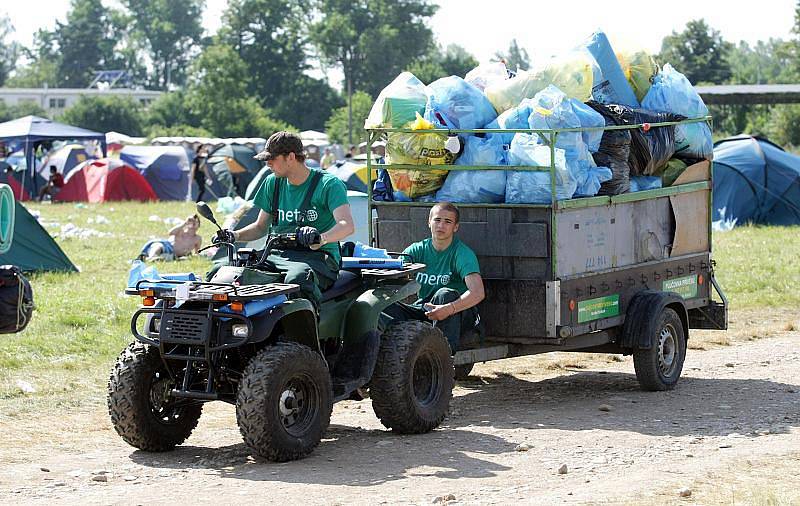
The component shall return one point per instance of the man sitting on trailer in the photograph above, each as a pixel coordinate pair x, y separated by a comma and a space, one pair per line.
450, 286
309, 201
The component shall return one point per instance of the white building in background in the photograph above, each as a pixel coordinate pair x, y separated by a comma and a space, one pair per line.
56, 100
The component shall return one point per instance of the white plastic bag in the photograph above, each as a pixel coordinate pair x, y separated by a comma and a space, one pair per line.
487, 74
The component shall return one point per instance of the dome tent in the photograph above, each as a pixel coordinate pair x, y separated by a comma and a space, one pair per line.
105, 180
755, 181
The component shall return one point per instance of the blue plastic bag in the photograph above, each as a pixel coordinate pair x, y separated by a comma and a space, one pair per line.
552, 109
139, 271
516, 117
534, 187
479, 186
642, 183
672, 92
610, 84
459, 104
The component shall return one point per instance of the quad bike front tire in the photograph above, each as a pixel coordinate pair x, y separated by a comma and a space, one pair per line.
284, 402
142, 411
413, 380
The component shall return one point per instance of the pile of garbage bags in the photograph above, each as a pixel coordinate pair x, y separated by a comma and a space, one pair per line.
590, 87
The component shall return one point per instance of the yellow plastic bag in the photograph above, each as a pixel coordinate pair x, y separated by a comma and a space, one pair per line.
418, 149
572, 73
640, 68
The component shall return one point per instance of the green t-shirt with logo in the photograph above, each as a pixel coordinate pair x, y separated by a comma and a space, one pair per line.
329, 194
446, 268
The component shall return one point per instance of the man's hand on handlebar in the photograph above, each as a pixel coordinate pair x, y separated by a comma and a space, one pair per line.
309, 237
224, 236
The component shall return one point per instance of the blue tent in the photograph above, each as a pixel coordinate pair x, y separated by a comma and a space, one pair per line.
755, 181
166, 168
32, 130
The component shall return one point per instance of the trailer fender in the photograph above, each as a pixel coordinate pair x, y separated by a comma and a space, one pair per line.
642, 314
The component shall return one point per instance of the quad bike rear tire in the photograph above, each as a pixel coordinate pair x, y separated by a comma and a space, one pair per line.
142, 411
413, 380
284, 402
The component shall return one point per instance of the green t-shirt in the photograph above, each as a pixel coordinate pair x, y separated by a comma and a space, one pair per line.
446, 268
329, 194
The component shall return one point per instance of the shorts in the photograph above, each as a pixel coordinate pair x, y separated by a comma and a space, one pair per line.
167, 254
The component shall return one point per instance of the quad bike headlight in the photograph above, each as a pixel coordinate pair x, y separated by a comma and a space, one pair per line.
240, 330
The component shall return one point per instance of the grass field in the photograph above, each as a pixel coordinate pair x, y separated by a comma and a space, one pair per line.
82, 320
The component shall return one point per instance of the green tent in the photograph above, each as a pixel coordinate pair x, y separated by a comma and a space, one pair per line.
32, 248
230, 168
255, 184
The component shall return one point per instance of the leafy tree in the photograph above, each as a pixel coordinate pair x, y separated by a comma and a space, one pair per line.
764, 63
217, 96
453, 61
336, 126
308, 103
9, 112
515, 57
177, 131
170, 110
85, 43
9, 50
372, 40
170, 30
104, 114
44, 61
699, 52
268, 36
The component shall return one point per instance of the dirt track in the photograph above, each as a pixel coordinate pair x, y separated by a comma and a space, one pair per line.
736, 410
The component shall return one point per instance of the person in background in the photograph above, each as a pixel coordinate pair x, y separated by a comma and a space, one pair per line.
327, 159
183, 240
450, 286
199, 171
54, 184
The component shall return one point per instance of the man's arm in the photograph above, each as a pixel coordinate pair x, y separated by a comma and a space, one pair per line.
255, 230
472, 297
344, 225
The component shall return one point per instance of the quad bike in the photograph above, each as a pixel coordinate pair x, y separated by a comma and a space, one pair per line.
247, 339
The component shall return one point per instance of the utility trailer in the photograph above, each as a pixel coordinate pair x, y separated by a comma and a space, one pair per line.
628, 274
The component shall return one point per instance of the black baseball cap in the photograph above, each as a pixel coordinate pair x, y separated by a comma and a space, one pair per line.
281, 143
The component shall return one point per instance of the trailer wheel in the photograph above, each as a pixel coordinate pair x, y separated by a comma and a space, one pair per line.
413, 380
659, 368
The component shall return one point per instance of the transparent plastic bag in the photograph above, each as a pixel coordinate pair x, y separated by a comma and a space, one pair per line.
516, 117
417, 149
640, 68
487, 74
573, 73
534, 187
672, 92
642, 183
398, 103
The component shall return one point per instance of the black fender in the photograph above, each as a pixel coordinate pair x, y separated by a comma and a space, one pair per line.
640, 319
295, 320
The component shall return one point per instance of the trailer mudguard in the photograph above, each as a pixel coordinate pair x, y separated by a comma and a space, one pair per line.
640, 319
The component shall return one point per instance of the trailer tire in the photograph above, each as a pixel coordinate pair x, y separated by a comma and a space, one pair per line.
413, 380
659, 367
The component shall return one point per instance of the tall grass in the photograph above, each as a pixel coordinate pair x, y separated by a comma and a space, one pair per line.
82, 320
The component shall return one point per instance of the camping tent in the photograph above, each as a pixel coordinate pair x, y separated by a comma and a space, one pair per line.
32, 130
32, 248
166, 168
11, 179
64, 158
353, 173
255, 184
231, 168
755, 181
105, 180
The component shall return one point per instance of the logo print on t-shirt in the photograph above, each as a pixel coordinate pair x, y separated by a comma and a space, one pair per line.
312, 215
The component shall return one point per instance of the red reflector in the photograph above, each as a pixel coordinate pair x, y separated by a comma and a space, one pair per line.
220, 297
147, 293
700, 279
646, 127
572, 305
149, 301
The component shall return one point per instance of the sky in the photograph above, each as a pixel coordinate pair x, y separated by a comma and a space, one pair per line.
542, 28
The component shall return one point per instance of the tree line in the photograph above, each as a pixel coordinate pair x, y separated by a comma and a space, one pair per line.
255, 74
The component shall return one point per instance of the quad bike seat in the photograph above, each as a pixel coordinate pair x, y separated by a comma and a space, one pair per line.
346, 282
